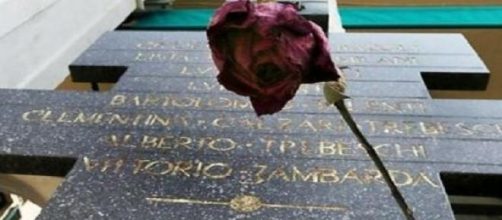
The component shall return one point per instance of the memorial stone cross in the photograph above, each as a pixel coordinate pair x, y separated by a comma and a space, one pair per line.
169, 143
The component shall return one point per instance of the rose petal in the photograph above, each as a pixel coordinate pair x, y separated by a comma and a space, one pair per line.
233, 14
232, 78
268, 105
322, 68
265, 51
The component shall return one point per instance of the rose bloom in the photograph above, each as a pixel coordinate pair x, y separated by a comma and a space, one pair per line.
266, 50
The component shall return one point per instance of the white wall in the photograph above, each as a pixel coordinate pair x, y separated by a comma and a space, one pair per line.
40, 38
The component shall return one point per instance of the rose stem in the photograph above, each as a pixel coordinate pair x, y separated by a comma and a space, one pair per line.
340, 105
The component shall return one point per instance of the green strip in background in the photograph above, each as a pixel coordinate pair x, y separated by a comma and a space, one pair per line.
422, 17
176, 19
352, 17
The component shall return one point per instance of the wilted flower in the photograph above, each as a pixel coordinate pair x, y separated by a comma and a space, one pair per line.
266, 50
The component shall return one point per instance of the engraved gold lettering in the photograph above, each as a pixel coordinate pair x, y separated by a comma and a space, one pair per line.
284, 123
137, 119
156, 119
334, 148
187, 102
269, 143
328, 175
307, 149
241, 104
140, 57
417, 151
350, 60
221, 122
185, 142
395, 107
115, 165
157, 56
90, 164
464, 129
259, 175
152, 142
183, 167
27, 116
391, 127
217, 171
297, 175
118, 100
279, 173
222, 144
46, 117
253, 123
63, 118
116, 141
308, 126
432, 128
139, 165
183, 121
395, 60
221, 102
207, 69
84, 119
210, 86
118, 118
411, 127
184, 71
285, 145
326, 125
155, 168
166, 142
199, 70
376, 48
327, 148
498, 128
422, 177
351, 175
150, 101
401, 178
198, 169
372, 175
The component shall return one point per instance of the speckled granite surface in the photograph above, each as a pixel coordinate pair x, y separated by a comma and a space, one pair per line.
168, 143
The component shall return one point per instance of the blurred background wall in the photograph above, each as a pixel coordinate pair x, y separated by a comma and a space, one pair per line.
39, 38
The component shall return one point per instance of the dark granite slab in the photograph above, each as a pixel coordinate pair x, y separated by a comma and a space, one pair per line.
230, 102
74, 139
210, 85
421, 62
441, 64
209, 71
168, 143
377, 43
232, 122
205, 195
354, 177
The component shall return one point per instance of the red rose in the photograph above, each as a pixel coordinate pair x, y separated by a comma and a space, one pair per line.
265, 51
